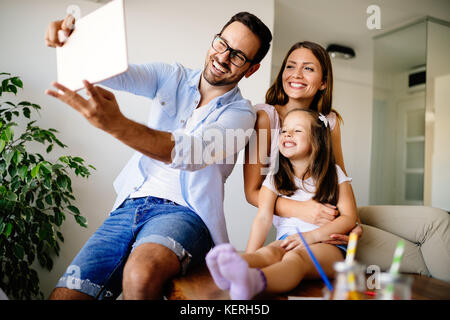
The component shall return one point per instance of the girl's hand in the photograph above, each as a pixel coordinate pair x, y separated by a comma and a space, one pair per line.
343, 238
318, 213
293, 241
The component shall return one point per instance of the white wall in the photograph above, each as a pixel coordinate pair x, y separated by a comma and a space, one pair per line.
156, 31
352, 97
441, 155
437, 160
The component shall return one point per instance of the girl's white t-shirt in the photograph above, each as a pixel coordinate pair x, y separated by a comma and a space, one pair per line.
289, 225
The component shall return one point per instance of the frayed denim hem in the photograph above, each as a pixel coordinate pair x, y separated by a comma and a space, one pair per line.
84, 286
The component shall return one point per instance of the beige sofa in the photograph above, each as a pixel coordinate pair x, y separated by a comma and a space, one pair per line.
425, 229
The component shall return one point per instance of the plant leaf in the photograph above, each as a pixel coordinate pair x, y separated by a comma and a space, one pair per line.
8, 156
81, 221
35, 171
40, 204
18, 157
5, 84
48, 182
23, 170
58, 218
11, 196
19, 251
8, 230
60, 236
49, 199
12, 88
26, 112
62, 182
17, 82
8, 133
74, 209
78, 159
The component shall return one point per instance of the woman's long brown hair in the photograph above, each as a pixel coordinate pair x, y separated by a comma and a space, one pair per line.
323, 99
321, 168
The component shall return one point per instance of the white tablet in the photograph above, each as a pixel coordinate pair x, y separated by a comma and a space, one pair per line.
96, 49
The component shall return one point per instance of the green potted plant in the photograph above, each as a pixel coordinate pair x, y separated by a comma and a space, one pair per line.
35, 196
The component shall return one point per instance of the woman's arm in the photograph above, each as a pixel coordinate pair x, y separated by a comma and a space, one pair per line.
253, 166
338, 238
263, 220
310, 211
337, 146
341, 225
346, 220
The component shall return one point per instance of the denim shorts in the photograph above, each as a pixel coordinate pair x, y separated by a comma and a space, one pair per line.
97, 269
342, 248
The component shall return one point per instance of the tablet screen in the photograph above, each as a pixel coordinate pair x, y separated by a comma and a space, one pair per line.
96, 50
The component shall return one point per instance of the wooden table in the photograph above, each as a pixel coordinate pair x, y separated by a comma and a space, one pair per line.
198, 285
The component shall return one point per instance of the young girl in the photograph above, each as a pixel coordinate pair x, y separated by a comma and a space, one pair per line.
307, 170
305, 80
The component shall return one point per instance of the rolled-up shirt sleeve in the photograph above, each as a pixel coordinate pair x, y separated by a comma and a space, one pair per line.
214, 143
143, 79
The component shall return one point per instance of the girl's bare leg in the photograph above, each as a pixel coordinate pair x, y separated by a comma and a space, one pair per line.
265, 256
296, 265
282, 276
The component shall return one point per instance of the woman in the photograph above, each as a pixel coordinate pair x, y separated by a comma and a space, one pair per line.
305, 80
307, 171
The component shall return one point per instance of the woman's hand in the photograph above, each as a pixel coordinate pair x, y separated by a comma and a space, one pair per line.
317, 213
343, 238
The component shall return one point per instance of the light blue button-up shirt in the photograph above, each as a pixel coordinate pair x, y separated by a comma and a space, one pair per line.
175, 95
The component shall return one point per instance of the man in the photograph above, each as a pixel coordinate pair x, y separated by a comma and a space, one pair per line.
169, 209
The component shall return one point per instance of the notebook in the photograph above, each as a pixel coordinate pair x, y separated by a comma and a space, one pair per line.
96, 50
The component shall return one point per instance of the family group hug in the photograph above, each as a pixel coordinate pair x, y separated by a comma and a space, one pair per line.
169, 214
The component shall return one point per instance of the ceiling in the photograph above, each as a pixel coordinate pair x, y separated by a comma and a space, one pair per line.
402, 50
345, 22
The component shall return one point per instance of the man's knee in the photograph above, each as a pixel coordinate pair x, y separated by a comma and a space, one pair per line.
150, 265
68, 294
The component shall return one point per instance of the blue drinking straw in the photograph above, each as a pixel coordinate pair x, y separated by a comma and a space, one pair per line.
316, 263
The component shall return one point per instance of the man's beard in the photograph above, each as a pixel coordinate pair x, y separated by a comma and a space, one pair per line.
222, 82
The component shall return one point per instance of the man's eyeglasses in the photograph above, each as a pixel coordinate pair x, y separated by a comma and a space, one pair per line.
236, 57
